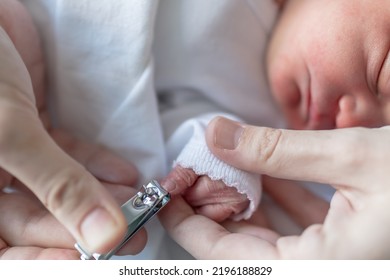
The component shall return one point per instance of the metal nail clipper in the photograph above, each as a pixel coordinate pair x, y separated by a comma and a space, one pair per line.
138, 210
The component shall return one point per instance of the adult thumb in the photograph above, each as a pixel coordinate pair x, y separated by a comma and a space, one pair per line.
240, 145
328, 156
65, 187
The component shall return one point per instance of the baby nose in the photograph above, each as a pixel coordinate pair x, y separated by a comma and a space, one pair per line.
358, 111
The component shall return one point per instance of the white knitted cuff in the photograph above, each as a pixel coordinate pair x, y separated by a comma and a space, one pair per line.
198, 157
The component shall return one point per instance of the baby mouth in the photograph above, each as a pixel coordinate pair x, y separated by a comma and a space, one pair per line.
318, 117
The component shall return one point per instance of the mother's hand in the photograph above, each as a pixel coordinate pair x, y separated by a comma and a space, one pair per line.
29, 154
29, 231
353, 160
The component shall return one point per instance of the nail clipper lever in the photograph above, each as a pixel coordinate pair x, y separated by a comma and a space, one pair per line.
138, 211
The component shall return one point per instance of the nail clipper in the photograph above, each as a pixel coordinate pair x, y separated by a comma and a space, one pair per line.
138, 210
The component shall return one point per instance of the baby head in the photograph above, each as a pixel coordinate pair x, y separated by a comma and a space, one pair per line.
329, 65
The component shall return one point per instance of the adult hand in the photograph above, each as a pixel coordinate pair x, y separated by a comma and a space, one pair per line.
29, 154
353, 160
29, 231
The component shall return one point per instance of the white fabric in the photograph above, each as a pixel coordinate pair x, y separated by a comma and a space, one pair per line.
215, 49
101, 82
106, 60
101, 68
210, 59
196, 156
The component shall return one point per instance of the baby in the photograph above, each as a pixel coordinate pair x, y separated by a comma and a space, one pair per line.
91, 80
205, 64
326, 70
208, 65
147, 90
328, 63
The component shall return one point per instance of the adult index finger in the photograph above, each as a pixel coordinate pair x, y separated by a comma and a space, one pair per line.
205, 239
64, 186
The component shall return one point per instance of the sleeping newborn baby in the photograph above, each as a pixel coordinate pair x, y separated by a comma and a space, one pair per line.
205, 72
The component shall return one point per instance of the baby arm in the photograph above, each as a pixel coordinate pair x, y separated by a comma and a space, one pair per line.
210, 186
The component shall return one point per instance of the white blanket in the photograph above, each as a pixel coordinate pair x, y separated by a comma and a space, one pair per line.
101, 81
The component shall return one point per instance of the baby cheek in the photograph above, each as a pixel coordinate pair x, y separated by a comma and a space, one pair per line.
284, 88
286, 93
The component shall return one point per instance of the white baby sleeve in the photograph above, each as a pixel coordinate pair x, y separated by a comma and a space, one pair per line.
189, 145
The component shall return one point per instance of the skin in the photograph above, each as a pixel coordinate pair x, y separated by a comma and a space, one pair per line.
334, 74
335, 100
357, 223
330, 75
323, 76
210, 198
36, 220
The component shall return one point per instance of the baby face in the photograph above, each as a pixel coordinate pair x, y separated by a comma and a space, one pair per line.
329, 63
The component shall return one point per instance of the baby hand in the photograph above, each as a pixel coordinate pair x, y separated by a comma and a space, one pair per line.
207, 197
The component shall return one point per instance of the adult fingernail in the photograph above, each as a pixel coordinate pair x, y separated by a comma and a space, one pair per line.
227, 134
98, 229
